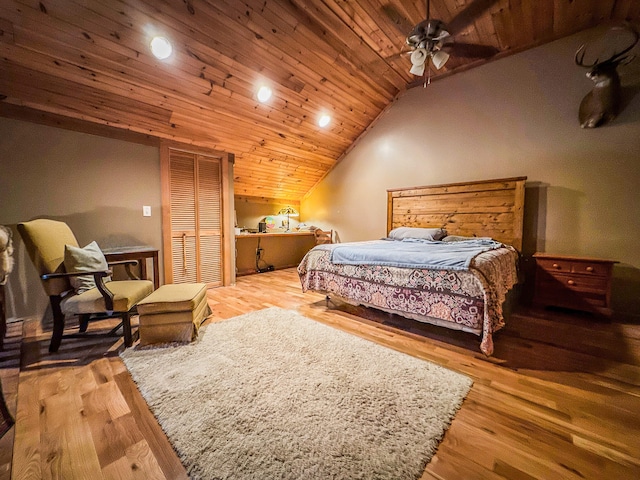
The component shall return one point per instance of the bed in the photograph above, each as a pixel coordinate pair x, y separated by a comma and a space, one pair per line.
468, 295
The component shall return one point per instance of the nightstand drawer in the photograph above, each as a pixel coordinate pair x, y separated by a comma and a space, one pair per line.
573, 266
591, 268
577, 300
552, 265
572, 282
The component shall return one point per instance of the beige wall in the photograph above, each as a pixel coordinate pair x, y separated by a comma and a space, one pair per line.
250, 213
278, 251
513, 117
97, 185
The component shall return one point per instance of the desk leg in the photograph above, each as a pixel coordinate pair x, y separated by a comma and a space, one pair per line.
143, 268
156, 271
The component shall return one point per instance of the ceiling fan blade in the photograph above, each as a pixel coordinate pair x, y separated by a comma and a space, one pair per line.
398, 56
471, 50
468, 15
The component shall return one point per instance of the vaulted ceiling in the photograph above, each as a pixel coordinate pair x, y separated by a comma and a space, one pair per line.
89, 60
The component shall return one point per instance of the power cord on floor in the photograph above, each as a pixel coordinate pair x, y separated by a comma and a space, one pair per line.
266, 268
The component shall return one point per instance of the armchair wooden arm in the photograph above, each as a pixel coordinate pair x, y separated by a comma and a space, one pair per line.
49, 276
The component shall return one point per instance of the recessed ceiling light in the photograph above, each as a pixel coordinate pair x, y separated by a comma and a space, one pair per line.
324, 120
264, 93
160, 47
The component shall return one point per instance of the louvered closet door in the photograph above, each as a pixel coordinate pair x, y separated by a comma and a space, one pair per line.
196, 218
209, 216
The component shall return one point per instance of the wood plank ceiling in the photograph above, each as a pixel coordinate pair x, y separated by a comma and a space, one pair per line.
89, 60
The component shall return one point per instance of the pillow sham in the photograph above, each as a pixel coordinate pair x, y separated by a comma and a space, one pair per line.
87, 259
401, 233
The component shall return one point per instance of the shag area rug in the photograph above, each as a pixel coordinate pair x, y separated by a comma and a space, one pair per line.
272, 394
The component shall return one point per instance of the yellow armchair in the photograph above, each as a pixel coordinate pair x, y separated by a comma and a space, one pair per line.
45, 241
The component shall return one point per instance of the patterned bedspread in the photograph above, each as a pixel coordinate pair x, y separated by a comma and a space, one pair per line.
469, 300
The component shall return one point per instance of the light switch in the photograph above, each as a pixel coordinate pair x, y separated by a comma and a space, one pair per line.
146, 211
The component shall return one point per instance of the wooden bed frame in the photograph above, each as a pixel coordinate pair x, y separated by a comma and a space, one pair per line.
488, 208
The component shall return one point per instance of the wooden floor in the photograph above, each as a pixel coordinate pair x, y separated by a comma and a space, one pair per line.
560, 398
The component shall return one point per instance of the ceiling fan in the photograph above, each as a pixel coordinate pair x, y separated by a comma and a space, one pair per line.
433, 40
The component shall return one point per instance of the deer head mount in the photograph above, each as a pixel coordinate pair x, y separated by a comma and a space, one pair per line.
602, 103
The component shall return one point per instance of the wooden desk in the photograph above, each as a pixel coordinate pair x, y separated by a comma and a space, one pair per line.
139, 253
279, 249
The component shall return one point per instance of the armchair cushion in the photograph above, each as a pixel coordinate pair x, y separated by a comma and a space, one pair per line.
87, 259
126, 294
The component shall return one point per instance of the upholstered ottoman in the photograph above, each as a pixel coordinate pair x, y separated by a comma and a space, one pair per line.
173, 313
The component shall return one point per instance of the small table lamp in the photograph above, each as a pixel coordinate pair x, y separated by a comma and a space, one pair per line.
289, 212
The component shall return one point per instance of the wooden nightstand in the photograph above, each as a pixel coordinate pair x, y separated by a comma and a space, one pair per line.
578, 283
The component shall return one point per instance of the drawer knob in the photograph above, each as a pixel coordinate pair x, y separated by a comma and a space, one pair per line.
589, 269
571, 282
555, 265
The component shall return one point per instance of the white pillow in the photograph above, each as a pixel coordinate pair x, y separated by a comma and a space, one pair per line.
87, 259
401, 233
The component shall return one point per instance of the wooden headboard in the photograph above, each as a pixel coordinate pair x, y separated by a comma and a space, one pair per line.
488, 208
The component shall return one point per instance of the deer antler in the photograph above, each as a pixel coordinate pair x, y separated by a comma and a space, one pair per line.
615, 58
579, 58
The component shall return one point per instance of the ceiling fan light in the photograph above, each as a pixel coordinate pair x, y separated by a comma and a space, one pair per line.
439, 59
417, 70
418, 56
418, 59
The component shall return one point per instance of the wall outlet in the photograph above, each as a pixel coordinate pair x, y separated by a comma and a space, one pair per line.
146, 211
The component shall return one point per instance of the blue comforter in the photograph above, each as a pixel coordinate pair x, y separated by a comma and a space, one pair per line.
412, 253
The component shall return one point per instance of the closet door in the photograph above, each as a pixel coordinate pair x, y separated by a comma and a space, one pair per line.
182, 179
192, 226
209, 220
